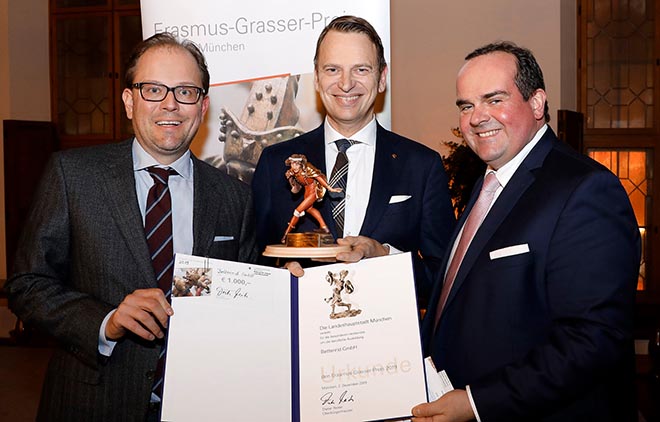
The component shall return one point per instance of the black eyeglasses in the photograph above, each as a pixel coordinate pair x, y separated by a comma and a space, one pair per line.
184, 94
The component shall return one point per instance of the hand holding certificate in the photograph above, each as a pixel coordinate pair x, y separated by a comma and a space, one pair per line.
339, 344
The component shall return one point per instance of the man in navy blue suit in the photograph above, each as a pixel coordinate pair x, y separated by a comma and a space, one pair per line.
537, 324
397, 197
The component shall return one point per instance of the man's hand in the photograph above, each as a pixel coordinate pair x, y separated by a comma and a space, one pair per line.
295, 268
144, 313
361, 247
452, 407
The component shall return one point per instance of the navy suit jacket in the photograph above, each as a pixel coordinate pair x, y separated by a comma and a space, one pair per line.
83, 250
545, 334
423, 223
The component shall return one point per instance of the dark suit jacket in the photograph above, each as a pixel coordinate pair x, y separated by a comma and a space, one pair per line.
547, 334
83, 250
402, 167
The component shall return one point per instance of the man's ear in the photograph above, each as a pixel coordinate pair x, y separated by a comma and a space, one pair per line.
537, 101
206, 101
127, 97
382, 81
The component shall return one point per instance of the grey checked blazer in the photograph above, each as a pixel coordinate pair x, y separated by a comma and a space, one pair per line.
83, 250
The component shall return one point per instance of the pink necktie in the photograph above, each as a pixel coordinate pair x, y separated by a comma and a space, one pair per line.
472, 223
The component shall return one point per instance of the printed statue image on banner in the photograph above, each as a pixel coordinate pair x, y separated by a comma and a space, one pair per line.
260, 57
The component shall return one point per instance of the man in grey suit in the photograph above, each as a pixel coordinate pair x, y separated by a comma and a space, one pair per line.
83, 270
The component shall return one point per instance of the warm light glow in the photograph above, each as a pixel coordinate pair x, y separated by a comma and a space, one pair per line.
641, 280
632, 168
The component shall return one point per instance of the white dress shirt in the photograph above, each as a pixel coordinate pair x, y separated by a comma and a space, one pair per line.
182, 194
181, 190
361, 157
503, 175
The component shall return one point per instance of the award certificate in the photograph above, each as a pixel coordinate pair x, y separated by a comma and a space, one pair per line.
249, 342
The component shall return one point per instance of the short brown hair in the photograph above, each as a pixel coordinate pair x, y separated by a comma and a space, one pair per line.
529, 76
165, 39
353, 24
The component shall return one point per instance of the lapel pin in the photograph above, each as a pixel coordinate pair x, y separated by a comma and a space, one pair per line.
394, 155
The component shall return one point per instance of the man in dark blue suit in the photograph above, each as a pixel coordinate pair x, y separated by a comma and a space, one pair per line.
396, 197
537, 324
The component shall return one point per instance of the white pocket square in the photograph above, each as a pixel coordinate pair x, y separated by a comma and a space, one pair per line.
509, 251
222, 238
395, 199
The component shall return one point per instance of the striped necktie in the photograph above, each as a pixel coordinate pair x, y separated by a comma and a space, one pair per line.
158, 230
339, 179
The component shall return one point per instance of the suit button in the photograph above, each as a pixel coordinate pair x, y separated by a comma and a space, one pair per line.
151, 375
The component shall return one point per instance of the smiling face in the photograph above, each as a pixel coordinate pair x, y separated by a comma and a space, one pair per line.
166, 128
495, 120
348, 80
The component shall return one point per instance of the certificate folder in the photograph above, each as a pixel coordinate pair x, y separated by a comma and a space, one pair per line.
249, 342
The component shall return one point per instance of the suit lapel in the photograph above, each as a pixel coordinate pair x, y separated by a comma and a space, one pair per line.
119, 190
386, 171
429, 319
314, 150
206, 209
515, 188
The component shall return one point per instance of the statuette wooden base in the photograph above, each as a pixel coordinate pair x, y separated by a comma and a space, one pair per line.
309, 240
306, 245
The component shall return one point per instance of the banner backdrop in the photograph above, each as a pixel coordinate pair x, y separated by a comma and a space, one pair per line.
260, 56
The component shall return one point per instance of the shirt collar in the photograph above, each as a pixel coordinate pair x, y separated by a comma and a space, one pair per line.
505, 173
366, 135
142, 160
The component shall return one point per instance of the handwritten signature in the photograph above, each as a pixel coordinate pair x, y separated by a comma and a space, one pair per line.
329, 399
231, 294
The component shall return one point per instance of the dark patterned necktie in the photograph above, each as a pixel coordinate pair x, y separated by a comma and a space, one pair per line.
339, 179
158, 230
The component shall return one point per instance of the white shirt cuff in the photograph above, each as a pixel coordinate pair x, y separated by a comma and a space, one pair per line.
106, 346
393, 250
474, 407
